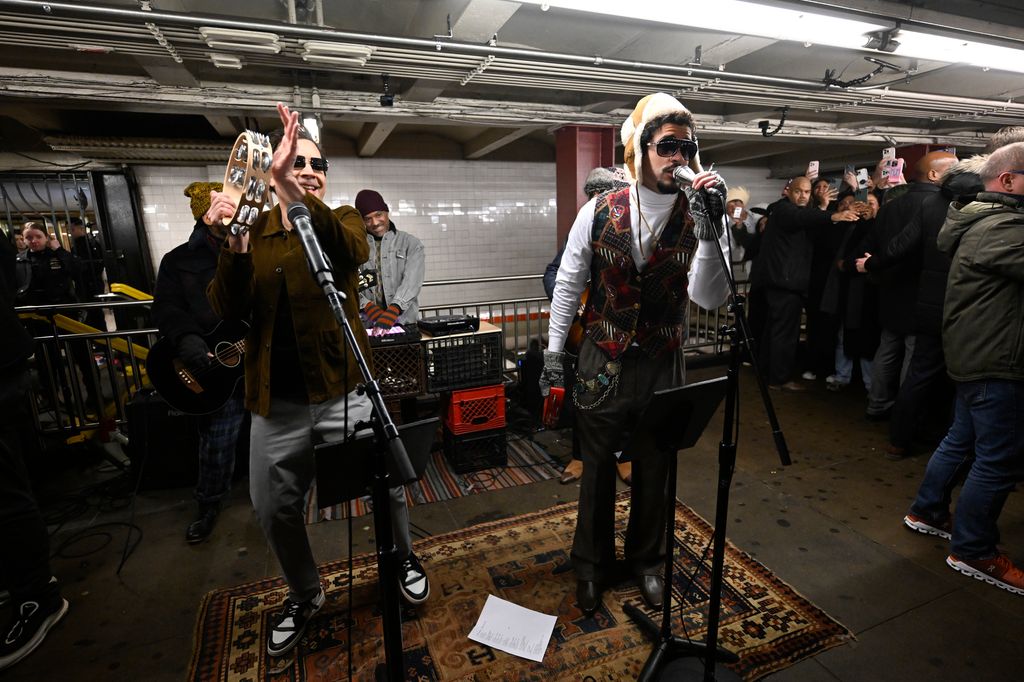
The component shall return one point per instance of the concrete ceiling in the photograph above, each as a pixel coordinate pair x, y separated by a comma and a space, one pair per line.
136, 73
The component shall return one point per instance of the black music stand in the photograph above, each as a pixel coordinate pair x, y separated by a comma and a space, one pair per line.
345, 469
677, 417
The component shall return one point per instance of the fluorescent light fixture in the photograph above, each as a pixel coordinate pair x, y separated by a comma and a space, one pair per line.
244, 41
959, 51
93, 49
323, 47
327, 59
736, 17
225, 61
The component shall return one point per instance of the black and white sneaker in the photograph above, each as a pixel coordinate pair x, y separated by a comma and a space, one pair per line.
412, 580
291, 624
32, 620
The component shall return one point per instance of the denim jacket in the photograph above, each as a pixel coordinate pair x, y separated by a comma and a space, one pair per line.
400, 264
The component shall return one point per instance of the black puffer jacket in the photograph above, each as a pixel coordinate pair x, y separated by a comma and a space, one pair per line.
180, 305
917, 240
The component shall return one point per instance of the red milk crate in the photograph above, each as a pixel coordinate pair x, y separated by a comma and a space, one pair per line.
476, 409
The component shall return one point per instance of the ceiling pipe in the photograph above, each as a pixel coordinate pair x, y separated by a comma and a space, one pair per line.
322, 33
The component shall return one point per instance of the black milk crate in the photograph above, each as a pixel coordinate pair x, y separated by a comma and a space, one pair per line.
399, 370
475, 451
463, 361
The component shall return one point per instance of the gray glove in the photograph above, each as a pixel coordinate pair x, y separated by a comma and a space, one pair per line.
707, 206
554, 372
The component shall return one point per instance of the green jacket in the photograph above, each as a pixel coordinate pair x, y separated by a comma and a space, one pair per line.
247, 286
983, 326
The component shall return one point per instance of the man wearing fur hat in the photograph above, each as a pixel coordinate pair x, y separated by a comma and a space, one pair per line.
639, 249
399, 260
742, 225
183, 314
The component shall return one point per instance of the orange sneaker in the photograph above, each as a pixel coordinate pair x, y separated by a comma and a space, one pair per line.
572, 471
998, 571
625, 470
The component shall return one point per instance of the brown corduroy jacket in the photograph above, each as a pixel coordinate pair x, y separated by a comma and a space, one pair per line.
247, 286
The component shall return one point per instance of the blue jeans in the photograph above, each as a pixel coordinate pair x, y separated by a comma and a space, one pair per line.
985, 443
844, 365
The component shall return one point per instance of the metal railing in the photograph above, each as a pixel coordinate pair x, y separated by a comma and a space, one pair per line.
85, 377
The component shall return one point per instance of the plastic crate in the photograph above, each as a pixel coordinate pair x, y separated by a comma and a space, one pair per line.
399, 370
476, 409
464, 361
475, 451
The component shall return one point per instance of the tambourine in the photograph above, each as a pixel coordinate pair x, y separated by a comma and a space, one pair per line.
247, 180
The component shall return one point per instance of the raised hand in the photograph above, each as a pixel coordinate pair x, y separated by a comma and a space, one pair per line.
285, 183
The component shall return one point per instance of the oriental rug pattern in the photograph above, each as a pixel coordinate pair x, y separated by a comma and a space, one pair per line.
524, 560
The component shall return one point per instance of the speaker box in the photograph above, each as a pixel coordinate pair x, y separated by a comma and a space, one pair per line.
163, 443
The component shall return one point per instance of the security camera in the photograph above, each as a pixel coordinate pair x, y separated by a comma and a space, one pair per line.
764, 126
387, 100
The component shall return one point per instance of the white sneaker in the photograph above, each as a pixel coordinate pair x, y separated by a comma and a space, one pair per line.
808, 376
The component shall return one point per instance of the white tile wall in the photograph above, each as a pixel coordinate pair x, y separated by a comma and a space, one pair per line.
475, 218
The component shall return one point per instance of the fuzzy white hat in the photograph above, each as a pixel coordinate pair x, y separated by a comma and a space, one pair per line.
647, 109
738, 194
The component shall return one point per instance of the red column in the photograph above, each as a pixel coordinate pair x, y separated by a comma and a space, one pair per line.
914, 153
578, 150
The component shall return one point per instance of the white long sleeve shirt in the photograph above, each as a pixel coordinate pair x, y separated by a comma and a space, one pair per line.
708, 282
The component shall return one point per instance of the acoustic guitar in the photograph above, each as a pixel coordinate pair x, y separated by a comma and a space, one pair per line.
206, 390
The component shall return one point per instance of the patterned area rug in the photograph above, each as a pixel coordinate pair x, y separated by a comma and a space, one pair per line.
524, 560
527, 463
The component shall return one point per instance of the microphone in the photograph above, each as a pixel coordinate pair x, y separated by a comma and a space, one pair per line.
319, 264
707, 205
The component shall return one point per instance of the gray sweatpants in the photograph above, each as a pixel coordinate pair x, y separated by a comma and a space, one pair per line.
281, 471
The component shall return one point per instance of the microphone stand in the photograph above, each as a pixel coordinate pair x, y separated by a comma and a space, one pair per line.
739, 333
386, 435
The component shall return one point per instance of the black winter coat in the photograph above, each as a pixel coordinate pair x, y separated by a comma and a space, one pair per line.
180, 305
787, 246
916, 242
897, 287
15, 343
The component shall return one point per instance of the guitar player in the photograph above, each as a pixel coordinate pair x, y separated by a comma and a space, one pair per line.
183, 314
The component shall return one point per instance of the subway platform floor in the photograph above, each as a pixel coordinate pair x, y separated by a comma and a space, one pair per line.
829, 525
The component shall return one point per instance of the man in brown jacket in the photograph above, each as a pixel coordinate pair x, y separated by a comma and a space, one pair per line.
300, 379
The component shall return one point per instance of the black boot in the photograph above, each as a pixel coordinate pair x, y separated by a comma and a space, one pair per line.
201, 528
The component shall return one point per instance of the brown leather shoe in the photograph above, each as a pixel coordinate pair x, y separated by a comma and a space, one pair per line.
572, 471
625, 470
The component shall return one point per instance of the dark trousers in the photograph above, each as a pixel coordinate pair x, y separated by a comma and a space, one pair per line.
218, 437
600, 430
777, 354
25, 562
926, 376
821, 342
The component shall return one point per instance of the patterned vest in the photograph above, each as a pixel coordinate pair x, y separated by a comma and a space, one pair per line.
624, 305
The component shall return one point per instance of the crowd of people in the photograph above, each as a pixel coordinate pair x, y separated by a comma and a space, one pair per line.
904, 282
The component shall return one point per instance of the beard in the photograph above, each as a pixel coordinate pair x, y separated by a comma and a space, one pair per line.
668, 186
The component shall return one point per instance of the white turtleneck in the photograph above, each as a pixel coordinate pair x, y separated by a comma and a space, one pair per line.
708, 285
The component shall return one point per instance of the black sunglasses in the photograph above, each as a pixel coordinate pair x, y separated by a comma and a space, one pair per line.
315, 162
670, 146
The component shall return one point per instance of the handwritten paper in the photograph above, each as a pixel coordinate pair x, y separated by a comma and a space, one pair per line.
513, 629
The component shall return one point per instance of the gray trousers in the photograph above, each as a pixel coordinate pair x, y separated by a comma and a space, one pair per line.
601, 431
281, 471
889, 369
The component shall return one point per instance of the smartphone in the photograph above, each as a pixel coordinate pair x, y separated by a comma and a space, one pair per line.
862, 178
737, 212
893, 169
812, 171
848, 169
888, 153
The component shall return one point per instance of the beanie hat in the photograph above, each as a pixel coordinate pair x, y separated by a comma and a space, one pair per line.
738, 194
647, 109
602, 179
369, 201
199, 196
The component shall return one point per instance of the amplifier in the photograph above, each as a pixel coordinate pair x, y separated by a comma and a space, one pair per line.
443, 325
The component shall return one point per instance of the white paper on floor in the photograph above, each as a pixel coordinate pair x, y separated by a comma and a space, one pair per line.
513, 629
